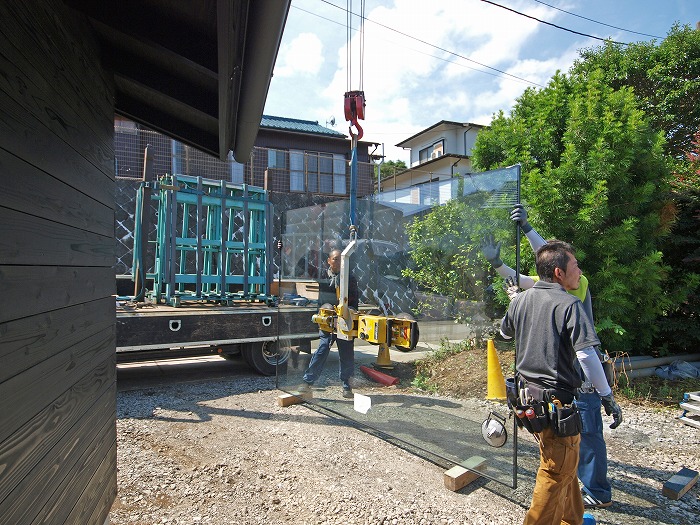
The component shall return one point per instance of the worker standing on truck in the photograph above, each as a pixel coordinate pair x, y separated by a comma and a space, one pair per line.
593, 457
328, 293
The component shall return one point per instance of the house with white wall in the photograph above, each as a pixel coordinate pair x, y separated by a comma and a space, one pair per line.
438, 153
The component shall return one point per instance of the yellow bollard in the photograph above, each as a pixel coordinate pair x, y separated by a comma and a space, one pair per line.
496, 383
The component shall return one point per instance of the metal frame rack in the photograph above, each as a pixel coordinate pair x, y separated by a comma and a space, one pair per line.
211, 244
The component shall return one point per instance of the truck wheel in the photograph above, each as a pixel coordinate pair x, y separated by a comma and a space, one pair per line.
265, 358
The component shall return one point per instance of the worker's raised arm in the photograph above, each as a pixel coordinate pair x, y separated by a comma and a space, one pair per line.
492, 252
519, 214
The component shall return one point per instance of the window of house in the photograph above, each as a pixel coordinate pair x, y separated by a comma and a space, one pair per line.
277, 159
431, 152
326, 173
312, 172
339, 177
296, 170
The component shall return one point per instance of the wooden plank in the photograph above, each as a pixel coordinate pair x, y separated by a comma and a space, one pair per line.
294, 398
21, 400
106, 476
35, 289
95, 467
31, 340
37, 443
56, 141
680, 483
30, 240
30, 190
55, 79
695, 408
462, 475
35, 477
693, 396
81, 56
691, 420
24, 136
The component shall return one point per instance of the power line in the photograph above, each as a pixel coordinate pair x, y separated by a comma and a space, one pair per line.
554, 25
454, 62
596, 21
438, 47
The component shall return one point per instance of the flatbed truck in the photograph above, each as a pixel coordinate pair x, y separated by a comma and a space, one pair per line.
263, 335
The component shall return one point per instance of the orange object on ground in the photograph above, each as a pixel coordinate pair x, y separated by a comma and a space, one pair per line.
379, 377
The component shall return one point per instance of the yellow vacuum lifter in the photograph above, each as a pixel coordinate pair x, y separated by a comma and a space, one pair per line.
400, 331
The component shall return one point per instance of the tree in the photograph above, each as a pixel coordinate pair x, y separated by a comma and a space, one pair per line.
389, 168
446, 243
664, 79
592, 171
678, 329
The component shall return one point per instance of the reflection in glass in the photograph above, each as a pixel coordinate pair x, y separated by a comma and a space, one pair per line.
417, 256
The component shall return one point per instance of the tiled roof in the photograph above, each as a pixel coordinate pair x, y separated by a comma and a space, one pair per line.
300, 126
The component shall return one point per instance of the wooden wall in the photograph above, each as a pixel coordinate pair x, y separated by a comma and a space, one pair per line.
57, 320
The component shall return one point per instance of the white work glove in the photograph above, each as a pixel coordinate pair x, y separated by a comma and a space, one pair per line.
511, 288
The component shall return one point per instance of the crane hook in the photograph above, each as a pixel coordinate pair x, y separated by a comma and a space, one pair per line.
354, 111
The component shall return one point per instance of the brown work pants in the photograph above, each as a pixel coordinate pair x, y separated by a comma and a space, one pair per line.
557, 498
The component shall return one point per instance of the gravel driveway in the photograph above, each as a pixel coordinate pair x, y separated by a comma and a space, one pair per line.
217, 449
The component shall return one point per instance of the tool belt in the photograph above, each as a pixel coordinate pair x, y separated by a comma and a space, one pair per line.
537, 408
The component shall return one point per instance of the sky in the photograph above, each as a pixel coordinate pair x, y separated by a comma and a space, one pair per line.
423, 61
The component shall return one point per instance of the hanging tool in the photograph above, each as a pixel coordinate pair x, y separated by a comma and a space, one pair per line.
354, 111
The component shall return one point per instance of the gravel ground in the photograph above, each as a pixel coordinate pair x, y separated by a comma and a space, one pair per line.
221, 451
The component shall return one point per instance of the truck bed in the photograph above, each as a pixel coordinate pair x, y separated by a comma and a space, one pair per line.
153, 327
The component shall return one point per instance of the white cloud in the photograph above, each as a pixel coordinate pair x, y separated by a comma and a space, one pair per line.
420, 61
301, 56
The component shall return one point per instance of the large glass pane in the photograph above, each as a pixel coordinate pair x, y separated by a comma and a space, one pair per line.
423, 283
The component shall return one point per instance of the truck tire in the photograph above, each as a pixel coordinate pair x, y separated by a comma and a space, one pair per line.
265, 358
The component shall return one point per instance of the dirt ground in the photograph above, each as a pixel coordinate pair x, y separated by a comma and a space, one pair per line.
219, 450
461, 375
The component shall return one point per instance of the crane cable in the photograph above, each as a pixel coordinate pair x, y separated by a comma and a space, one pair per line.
348, 51
354, 105
355, 100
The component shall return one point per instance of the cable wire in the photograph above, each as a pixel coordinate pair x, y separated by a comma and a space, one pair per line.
348, 47
554, 25
442, 48
362, 44
596, 21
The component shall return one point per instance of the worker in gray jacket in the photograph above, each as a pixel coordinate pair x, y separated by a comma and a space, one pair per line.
593, 462
555, 341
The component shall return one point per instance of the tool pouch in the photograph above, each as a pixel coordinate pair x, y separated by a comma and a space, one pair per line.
566, 421
532, 424
541, 419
